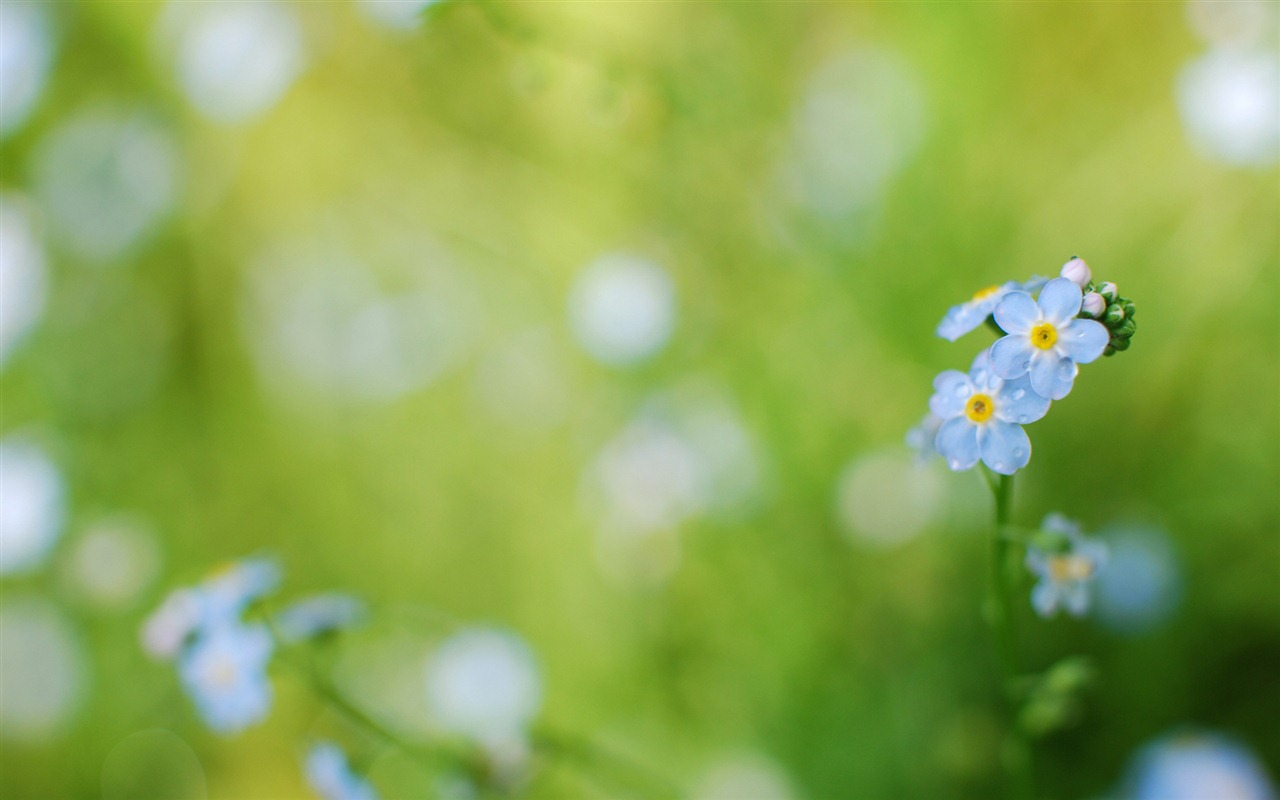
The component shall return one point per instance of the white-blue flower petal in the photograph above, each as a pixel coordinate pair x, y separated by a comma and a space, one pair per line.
952, 389
1060, 301
1011, 356
1004, 446
1051, 375
957, 443
1018, 402
1044, 598
1083, 340
1017, 313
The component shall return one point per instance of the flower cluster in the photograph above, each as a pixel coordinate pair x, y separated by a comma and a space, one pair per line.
222, 653
979, 416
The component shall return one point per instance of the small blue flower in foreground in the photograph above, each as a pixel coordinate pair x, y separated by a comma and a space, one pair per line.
983, 418
316, 616
225, 672
330, 775
1065, 569
1197, 766
965, 317
1046, 339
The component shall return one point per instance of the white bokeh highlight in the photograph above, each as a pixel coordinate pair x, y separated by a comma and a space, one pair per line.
622, 308
744, 777
1230, 105
112, 562
32, 497
26, 54
23, 282
485, 684
42, 671
235, 61
887, 498
105, 178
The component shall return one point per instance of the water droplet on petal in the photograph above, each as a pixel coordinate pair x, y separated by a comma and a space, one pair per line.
1018, 394
1024, 418
1019, 452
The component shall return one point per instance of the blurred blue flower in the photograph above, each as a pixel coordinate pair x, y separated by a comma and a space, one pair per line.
225, 672
965, 317
1065, 566
1197, 766
228, 591
1046, 339
330, 775
920, 438
318, 615
982, 418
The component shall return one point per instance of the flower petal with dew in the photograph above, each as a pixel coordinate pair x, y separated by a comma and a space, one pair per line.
225, 673
982, 418
969, 315
331, 776
1066, 564
319, 615
1045, 339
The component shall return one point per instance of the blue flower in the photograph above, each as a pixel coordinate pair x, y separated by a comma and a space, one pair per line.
1197, 766
330, 775
920, 438
1045, 339
1065, 567
983, 418
965, 317
318, 615
225, 672
227, 592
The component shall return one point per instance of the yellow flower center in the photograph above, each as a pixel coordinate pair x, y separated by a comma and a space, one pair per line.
980, 408
1070, 568
1044, 335
983, 294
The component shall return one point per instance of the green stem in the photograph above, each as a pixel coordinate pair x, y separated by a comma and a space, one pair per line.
1017, 749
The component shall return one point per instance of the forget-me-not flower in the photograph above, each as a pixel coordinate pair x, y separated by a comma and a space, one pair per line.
1064, 573
983, 417
331, 776
1046, 339
920, 438
1190, 765
225, 672
969, 315
318, 615
228, 591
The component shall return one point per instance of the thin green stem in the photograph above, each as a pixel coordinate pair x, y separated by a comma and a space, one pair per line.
1017, 753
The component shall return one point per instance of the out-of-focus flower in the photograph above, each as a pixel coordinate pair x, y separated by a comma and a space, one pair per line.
31, 505
26, 51
235, 60
22, 274
983, 418
330, 775
484, 684
1143, 582
1191, 765
228, 591
319, 615
1066, 566
225, 672
969, 315
623, 308
920, 438
167, 629
1046, 339
1230, 104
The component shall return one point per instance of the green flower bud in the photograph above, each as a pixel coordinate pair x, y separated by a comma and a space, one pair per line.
1109, 291
1110, 351
1114, 316
1119, 344
1129, 309
1126, 329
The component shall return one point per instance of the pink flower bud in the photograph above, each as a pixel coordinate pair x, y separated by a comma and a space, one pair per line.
1094, 305
1078, 272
